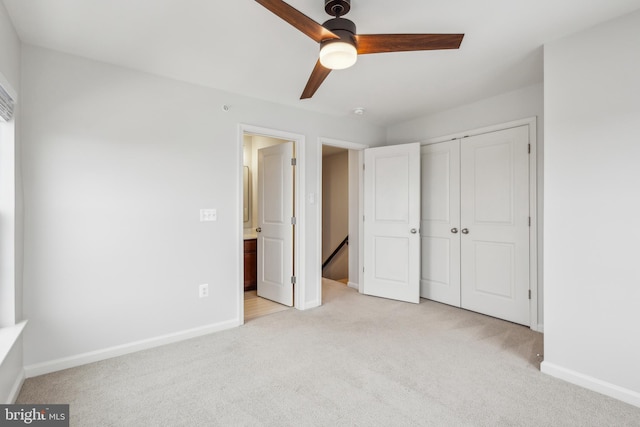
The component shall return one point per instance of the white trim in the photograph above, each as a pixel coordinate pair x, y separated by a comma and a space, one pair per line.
482, 130
353, 285
341, 144
361, 222
312, 304
318, 232
120, 350
8, 337
17, 386
240, 250
629, 396
535, 303
531, 122
299, 241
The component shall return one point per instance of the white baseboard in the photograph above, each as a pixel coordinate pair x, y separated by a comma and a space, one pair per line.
353, 286
120, 350
628, 396
311, 304
17, 386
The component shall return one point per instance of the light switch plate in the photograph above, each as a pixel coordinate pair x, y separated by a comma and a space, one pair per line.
208, 215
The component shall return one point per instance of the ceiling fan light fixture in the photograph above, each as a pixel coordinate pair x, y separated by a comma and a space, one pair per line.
340, 44
338, 55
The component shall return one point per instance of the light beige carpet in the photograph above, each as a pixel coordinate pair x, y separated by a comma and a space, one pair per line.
355, 361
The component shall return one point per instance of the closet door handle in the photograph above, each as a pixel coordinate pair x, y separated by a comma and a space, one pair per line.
465, 231
414, 231
454, 230
258, 229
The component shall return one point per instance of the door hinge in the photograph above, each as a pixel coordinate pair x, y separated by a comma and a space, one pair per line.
293, 161
293, 280
293, 220
363, 166
529, 293
529, 148
529, 221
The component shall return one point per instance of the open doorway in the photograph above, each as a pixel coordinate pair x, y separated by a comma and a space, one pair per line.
340, 172
270, 241
335, 213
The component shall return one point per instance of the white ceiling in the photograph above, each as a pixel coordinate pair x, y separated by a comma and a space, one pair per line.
239, 46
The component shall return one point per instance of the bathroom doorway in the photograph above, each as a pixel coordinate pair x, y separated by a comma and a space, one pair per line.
268, 263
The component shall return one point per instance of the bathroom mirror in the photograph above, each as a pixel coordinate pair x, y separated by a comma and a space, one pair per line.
246, 193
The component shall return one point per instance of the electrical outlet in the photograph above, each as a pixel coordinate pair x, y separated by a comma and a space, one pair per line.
203, 290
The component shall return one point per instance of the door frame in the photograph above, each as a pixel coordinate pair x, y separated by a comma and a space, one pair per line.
347, 145
300, 234
534, 266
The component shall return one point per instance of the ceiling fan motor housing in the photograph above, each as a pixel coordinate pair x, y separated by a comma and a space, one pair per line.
341, 27
337, 8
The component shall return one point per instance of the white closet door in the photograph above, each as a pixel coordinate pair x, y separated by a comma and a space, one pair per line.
392, 222
495, 224
440, 222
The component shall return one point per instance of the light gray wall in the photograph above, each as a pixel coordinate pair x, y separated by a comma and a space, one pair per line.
11, 368
117, 165
592, 280
519, 104
335, 213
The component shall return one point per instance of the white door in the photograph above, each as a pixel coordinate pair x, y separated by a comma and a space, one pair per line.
440, 222
392, 222
275, 229
495, 224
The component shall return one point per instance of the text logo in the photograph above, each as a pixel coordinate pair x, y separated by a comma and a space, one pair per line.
34, 415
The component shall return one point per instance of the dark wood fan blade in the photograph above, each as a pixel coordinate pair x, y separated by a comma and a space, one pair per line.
298, 19
318, 75
380, 43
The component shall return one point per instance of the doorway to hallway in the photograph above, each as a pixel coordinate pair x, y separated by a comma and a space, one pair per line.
335, 213
340, 245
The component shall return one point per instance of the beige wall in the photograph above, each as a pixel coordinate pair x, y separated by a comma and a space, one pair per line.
335, 212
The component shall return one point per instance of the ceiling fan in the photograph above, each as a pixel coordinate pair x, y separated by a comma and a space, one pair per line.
340, 45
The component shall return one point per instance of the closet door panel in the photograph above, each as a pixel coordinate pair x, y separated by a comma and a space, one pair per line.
440, 222
495, 224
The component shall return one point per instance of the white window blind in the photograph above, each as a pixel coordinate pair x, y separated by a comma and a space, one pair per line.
6, 105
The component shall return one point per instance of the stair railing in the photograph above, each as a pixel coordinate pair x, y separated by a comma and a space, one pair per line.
335, 252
